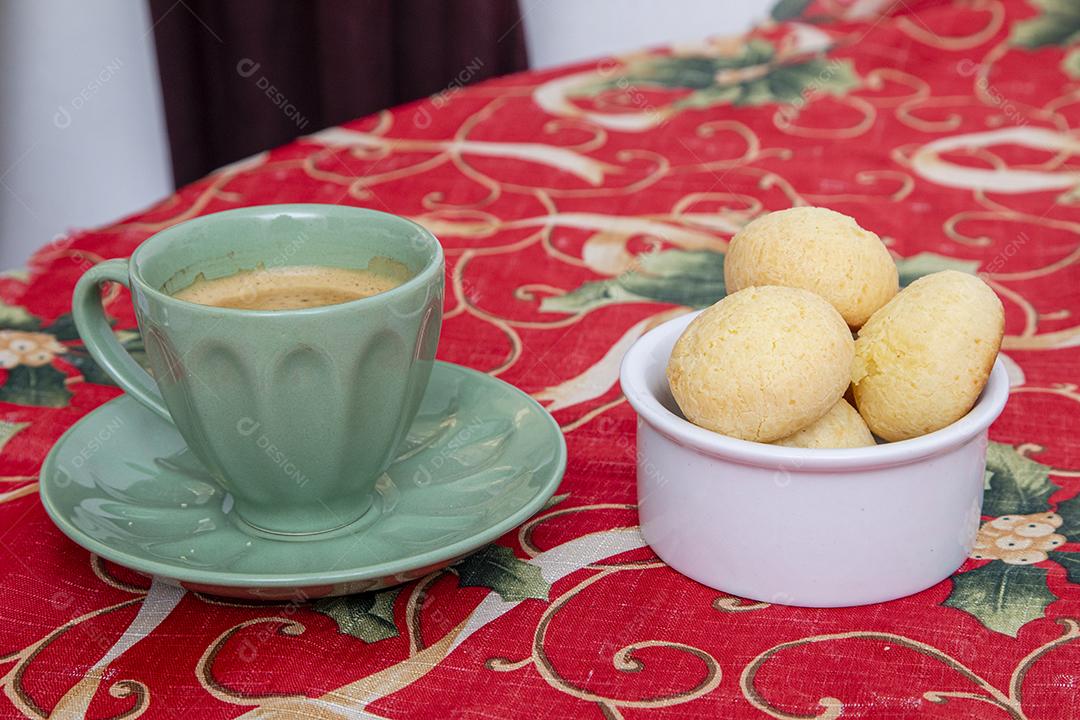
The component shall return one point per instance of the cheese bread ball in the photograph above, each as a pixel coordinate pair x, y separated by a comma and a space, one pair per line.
762, 363
922, 360
815, 249
841, 427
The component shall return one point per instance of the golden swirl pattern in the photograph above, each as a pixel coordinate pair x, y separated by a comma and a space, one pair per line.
1010, 701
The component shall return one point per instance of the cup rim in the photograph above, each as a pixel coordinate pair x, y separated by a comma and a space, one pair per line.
641, 359
433, 268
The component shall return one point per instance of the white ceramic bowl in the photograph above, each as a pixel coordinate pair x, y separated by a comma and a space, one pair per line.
797, 526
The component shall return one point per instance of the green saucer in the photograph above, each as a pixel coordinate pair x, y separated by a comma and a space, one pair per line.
481, 457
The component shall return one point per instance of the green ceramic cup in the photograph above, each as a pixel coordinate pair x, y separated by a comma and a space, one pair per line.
296, 412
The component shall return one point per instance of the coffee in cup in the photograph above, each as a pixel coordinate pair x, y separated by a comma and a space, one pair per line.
294, 287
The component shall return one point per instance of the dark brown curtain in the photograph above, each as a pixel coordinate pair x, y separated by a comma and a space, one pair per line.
240, 76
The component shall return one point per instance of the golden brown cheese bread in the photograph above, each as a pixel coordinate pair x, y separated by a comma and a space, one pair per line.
762, 363
841, 427
922, 360
815, 249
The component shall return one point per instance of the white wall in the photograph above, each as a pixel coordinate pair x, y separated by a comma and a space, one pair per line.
82, 134
561, 31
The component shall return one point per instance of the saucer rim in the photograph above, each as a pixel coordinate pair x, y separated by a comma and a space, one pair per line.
443, 555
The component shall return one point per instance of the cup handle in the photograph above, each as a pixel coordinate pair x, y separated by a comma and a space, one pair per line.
97, 335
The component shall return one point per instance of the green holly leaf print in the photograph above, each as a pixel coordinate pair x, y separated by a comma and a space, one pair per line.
496, 567
784, 83
90, 370
9, 430
13, 317
720, 95
680, 277
815, 76
1002, 597
914, 267
693, 72
1069, 510
590, 296
753, 76
63, 328
36, 386
1015, 485
789, 9
1057, 24
1069, 561
366, 616
78, 356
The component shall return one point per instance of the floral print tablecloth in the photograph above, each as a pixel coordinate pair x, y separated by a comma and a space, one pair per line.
579, 207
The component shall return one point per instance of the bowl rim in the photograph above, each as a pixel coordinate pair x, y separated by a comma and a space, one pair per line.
641, 359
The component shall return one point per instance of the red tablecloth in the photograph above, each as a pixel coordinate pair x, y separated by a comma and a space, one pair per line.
946, 127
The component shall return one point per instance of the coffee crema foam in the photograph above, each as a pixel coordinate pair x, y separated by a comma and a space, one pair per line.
295, 287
